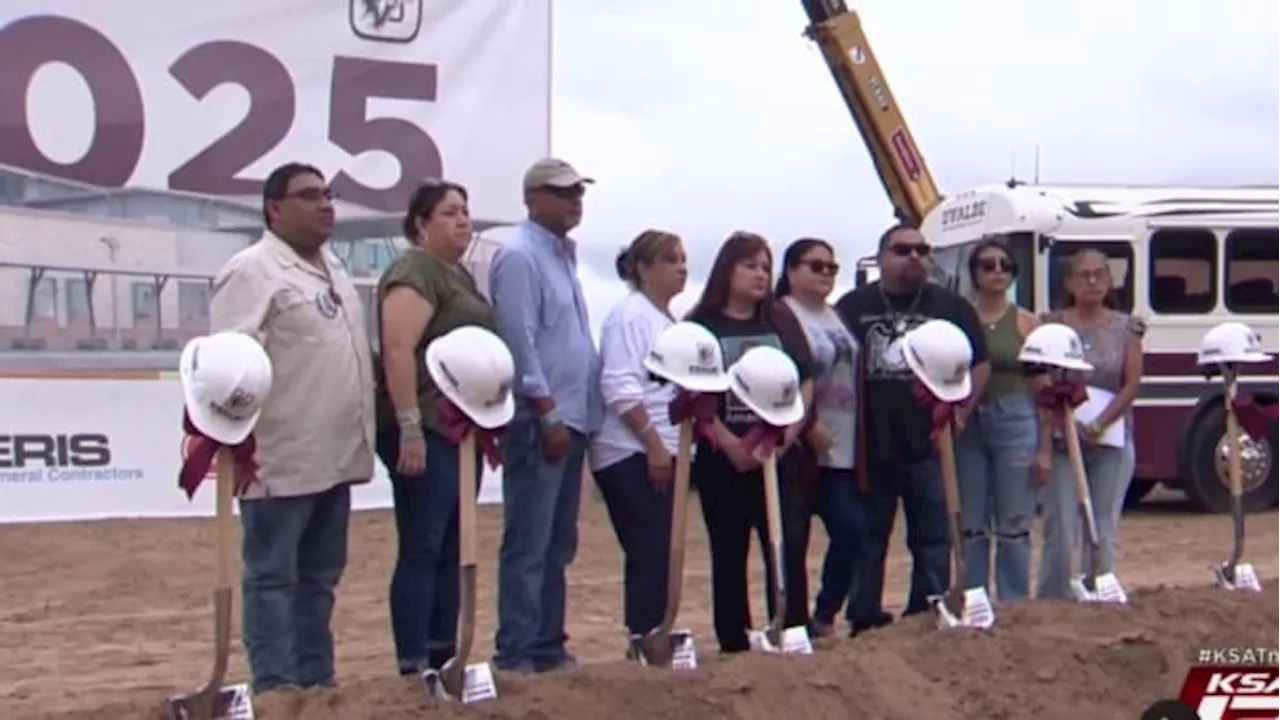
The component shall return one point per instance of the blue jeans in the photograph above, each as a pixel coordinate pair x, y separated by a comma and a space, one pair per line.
641, 517
837, 504
1109, 472
425, 583
294, 551
919, 486
994, 457
539, 541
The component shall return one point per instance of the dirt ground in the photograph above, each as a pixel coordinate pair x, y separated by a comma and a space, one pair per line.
105, 619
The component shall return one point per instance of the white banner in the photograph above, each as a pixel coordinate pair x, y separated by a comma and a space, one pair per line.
97, 449
208, 97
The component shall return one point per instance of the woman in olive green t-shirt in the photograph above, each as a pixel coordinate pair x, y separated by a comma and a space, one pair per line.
424, 294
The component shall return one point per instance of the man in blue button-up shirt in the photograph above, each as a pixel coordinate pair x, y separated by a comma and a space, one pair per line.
542, 316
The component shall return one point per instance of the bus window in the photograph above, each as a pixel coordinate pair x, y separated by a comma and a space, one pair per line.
1183, 275
1252, 259
950, 267
1119, 259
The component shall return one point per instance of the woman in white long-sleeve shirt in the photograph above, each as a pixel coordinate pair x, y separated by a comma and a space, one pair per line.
632, 454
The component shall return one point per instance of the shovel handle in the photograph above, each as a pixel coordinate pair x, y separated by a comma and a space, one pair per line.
224, 542
1076, 457
467, 500
945, 444
773, 521
679, 513
1234, 470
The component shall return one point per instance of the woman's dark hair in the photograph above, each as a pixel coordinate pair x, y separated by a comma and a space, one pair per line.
715, 295
646, 249
791, 258
424, 201
1072, 264
975, 258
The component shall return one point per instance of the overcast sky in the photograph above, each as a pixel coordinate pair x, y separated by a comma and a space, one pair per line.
709, 116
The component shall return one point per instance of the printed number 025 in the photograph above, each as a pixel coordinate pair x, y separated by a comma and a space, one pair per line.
116, 148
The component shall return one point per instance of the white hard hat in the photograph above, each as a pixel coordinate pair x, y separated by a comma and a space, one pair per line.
688, 355
1054, 344
1232, 342
474, 370
766, 380
226, 378
939, 354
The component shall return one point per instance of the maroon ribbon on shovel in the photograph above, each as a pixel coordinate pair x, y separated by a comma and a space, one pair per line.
941, 413
699, 407
1059, 396
202, 449
763, 436
1254, 416
456, 425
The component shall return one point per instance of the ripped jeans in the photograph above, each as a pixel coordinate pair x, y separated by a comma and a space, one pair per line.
995, 454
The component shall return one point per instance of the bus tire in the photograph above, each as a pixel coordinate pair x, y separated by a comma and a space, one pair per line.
1139, 489
1206, 483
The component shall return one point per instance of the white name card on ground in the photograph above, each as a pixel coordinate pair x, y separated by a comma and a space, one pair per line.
794, 640
235, 702
684, 656
477, 683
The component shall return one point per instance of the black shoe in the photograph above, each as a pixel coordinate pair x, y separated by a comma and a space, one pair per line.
880, 620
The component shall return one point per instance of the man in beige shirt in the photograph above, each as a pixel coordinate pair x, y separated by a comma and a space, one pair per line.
315, 437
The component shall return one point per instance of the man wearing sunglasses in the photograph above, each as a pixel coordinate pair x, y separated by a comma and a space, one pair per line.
542, 316
896, 456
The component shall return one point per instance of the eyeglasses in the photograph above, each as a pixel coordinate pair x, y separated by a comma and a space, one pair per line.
821, 267
1005, 265
313, 194
906, 250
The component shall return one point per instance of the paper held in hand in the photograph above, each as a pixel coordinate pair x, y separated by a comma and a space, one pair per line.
1091, 410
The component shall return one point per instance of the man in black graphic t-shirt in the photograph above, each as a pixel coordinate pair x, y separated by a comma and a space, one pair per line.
898, 458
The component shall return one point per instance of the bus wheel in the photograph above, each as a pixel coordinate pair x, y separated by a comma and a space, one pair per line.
1139, 489
1207, 485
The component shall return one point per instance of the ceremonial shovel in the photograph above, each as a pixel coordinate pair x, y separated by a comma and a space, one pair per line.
661, 646
212, 700
957, 607
454, 680
1095, 583
1233, 574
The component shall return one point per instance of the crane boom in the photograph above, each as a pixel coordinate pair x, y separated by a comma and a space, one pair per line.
906, 178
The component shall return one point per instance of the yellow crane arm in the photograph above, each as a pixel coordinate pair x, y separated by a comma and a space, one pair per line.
904, 173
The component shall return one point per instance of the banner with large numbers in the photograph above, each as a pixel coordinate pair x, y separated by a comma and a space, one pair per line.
67, 452
208, 97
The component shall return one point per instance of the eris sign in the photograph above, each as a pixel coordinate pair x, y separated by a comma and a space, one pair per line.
207, 97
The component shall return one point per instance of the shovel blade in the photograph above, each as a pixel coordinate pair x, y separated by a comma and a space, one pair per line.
970, 609
1109, 589
231, 702
1239, 577
672, 649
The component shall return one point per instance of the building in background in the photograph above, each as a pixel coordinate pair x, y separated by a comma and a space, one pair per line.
93, 277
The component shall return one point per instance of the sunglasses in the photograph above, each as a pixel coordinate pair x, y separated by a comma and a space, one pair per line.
906, 250
821, 267
1005, 265
564, 193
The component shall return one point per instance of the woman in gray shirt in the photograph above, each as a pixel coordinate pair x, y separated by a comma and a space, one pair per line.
1113, 345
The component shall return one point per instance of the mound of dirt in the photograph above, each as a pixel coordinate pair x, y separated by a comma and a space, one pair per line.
1045, 660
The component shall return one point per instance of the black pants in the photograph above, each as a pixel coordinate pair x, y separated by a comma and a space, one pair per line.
641, 517
732, 506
